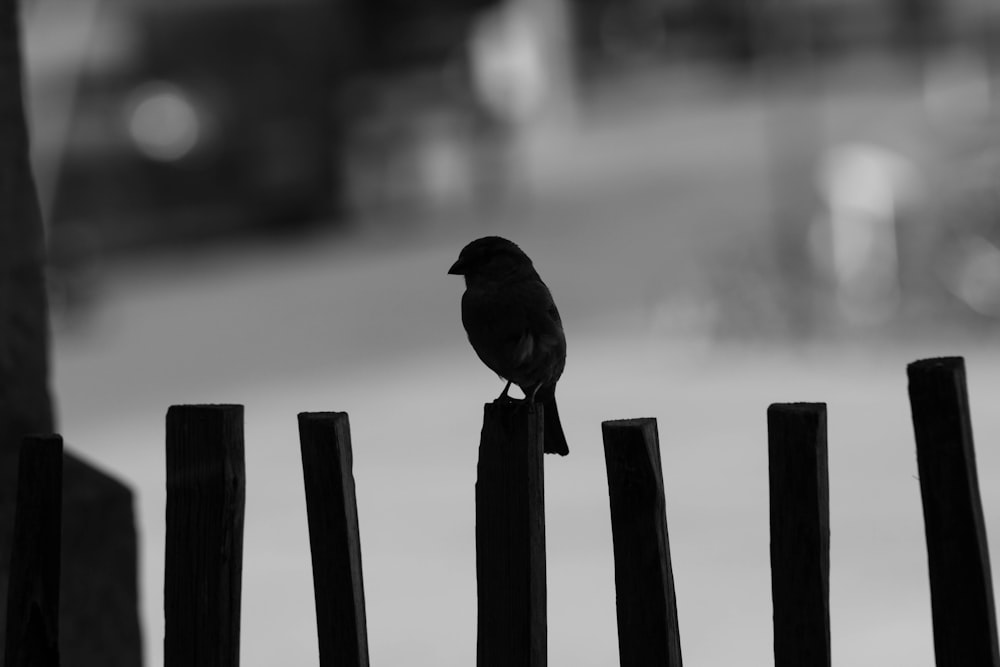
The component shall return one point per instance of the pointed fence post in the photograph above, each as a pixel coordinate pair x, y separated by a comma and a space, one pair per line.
800, 534
963, 612
335, 541
33, 593
648, 629
510, 537
206, 490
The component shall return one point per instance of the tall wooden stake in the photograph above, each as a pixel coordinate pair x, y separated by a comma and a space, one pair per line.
648, 629
33, 595
327, 460
800, 534
963, 613
510, 537
204, 557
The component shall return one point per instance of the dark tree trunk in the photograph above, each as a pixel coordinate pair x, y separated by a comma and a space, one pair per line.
99, 619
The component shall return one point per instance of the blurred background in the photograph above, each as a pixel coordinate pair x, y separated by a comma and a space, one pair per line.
734, 203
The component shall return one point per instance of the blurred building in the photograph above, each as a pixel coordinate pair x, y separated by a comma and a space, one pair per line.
156, 121
445, 92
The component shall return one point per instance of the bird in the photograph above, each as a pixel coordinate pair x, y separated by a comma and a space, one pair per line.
514, 326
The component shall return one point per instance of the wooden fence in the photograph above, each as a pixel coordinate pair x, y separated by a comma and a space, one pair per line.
204, 536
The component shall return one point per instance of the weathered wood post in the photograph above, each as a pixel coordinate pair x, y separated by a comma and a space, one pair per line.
33, 595
800, 534
963, 612
334, 537
648, 629
204, 543
510, 537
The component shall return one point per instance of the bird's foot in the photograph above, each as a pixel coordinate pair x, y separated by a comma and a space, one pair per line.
504, 397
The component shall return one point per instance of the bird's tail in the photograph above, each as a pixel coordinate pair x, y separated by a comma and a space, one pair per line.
555, 439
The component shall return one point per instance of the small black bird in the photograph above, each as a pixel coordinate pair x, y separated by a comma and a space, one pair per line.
514, 326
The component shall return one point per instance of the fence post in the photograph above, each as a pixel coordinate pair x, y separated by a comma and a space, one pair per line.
958, 558
648, 630
800, 533
33, 592
204, 542
510, 537
332, 508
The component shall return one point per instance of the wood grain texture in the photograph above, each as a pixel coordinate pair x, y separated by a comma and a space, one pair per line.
510, 537
648, 627
800, 534
961, 584
334, 537
204, 543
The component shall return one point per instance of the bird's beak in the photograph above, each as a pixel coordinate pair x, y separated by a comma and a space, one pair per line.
457, 269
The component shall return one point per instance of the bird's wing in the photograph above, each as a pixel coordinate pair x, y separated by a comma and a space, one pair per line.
516, 331
542, 324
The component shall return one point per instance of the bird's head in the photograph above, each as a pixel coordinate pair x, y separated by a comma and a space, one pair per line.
490, 258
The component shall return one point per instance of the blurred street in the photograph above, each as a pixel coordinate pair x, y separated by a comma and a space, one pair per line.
631, 216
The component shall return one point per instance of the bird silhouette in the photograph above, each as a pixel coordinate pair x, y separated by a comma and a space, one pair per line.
514, 326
